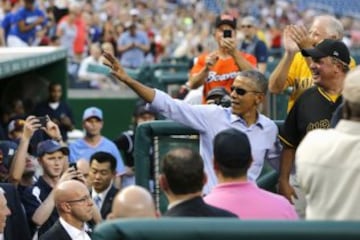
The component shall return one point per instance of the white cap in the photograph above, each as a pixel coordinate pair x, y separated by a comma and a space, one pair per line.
93, 112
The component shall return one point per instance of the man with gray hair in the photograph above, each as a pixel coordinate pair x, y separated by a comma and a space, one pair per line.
247, 92
252, 44
327, 162
293, 69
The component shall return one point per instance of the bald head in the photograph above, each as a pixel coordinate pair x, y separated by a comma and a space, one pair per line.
133, 202
69, 190
84, 167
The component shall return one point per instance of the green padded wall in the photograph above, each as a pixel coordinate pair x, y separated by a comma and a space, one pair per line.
224, 229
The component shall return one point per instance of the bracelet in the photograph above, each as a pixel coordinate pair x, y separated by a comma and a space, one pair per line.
187, 86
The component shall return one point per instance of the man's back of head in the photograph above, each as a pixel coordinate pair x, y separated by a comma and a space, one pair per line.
232, 154
133, 202
351, 94
183, 170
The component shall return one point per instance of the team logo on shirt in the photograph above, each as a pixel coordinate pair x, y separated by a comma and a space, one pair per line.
214, 77
324, 123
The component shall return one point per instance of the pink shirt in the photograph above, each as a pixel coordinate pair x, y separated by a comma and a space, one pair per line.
248, 201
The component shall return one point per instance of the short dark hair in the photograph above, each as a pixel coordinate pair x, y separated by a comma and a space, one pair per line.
184, 170
103, 157
232, 153
258, 78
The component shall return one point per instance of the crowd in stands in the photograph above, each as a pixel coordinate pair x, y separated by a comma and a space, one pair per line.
57, 189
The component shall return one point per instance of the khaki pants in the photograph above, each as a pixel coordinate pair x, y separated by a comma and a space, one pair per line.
300, 202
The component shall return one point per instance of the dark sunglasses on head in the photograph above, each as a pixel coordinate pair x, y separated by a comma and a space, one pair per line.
241, 91
246, 26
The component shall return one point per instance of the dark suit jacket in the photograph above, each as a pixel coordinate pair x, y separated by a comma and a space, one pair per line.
196, 207
17, 218
107, 202
56, 232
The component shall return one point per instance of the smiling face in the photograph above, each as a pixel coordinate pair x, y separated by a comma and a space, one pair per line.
322, 70
247, 103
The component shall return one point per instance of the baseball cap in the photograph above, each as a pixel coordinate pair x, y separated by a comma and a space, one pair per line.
329, 48
225, 19
93, 112
51, 146
141, 108
232, 149
216, 92
7, 149
16, 125
351, 91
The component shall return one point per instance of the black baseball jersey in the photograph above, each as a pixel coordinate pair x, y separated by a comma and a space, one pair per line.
312, 110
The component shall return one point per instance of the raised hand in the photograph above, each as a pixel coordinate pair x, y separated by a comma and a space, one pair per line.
290, 44
30, 126
230, 45
52, 129
117, 70
301, 36
211, 59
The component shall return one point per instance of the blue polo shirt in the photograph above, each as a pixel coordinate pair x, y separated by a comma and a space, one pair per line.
29, 16
32, 198
80, 149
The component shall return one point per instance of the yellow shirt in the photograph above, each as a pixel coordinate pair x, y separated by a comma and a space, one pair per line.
300, 78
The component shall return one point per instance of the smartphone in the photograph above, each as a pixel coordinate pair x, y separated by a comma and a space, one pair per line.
227, 33
42, 121
73, 165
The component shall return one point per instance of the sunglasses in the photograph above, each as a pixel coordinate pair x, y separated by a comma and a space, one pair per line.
246, 26
241, 91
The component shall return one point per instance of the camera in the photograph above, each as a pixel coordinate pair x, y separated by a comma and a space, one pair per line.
227, 33
42, 121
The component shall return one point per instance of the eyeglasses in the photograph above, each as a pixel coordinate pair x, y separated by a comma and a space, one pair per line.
86, 199
246, 26
241, 91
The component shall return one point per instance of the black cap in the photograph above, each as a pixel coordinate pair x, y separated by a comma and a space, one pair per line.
225, 19
329, 48
232, 149
216, 92
7, 149
141, 108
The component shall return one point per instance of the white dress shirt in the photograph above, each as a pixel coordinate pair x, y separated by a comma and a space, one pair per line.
74, 233
102, 195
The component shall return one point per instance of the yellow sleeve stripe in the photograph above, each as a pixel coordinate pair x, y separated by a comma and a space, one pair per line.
286, 142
